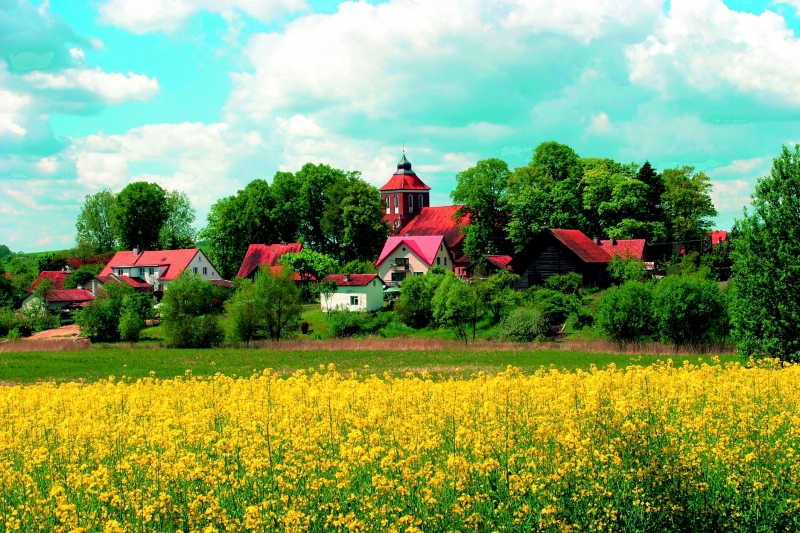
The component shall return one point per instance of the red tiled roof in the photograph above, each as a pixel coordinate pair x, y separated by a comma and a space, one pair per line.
70, 295
265, 254
221, 283
437, 221
58, 277
176, 261
501, 261
426, 247
136, 283
625, 248
581, 245
405, 182
718, 236
356, 280
295, 277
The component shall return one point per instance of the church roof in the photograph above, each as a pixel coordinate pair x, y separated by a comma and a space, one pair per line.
405, 179
438, 221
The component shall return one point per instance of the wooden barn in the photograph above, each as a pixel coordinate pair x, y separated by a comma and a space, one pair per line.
561, 251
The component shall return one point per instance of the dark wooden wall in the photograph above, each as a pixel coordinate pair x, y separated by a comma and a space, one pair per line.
547, 256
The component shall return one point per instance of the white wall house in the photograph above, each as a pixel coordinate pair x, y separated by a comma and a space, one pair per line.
160, 267
412, 256
355, 292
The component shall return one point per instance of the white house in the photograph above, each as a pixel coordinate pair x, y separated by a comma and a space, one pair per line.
412, 256
355, 292
160, 267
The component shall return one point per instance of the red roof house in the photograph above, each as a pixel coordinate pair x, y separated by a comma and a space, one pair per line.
61, 299
57, 276
259, 255
625, 248
160, 267
412, 255
354, 292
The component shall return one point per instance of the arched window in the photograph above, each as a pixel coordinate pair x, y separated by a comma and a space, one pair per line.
388, 204
410, 203
421, 202
396, 204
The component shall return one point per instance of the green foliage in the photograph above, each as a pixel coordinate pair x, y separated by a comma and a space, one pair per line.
343, 323
359, 267
186, 313
278, 298
688, 310
355, 220
523, 324
415, 306
138, 214
622, 269
500, 294
626, 313
81, 276
766, 270
566, 283
7, 292
51, 262
483, 191
94, 222
688, 206
131, 322
309, 264
718, 261
10, 320
14, 335
5, 253
555, 306
459, 306
44, 288
244, 317
100, 321
177, 232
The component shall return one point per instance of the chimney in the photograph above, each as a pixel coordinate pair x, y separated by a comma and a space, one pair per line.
136, 251
613, 241
347, 278
597, 241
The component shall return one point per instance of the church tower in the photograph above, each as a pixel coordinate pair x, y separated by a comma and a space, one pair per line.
404, 196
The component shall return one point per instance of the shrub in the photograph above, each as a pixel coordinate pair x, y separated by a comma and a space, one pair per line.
14, 335
100, 321
343, 323
130, 325
523, 324
625, 313
565, 283
688, 310
81, 276
186, 311
555, 306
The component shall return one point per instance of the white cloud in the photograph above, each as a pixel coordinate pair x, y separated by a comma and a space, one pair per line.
12, 113
600, 124
142, 16
112, 88
707, 46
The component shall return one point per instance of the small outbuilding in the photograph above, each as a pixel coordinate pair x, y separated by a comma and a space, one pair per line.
354, 292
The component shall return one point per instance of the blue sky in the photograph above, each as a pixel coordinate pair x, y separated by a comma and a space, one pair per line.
206, 95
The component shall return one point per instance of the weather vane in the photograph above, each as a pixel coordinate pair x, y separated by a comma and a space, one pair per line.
404, 146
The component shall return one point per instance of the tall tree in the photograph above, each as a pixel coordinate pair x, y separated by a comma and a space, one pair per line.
286, 213
138, 215
654, 192
316, 183
177, 231
766, 271
688, 206
483, 190
364, 231
221, 233
94, 222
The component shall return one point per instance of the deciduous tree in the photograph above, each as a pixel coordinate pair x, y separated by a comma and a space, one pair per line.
138, 215
94, 222
177, 231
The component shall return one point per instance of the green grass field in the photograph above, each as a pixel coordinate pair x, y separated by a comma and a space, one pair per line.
99, 363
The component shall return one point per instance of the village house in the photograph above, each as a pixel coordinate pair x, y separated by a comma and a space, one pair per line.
561, 251
354, 292
259, 255
157, 268
59, 298
412, 256
492, 265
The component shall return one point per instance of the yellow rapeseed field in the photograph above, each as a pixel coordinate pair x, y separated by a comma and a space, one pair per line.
659, 448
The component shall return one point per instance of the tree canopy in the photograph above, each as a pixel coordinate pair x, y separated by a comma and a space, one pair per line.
138, 214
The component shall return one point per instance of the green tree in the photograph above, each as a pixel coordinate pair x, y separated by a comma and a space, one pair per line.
766, 271
362, 227
278, 298
625, 313
359, 267
5, 253
94, 222
688, 310
483, 190
44, 288
226, 248
459, 305
500, 294
317, 186
7, 293
188, 313
309, 264
177, 232
100, 320
286, 212
50, 262
415, 303
688, 206
134, 311
81, 276
244, 317
138, 214
622, 269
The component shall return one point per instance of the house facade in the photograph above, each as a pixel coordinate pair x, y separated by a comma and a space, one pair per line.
412, 256
158, 268
354, 292
60, 299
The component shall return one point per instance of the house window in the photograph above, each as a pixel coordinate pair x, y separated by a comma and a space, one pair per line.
354, 300
410, 203
119, 272
398, 276
205, 271
445, 261
401, 261
438, 260
421, 203
396, 204
152, 271
388, 204
199, 258
194, 270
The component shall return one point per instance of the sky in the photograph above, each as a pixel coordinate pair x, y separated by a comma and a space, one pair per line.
204, 96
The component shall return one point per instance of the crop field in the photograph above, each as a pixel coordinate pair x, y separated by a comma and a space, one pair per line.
664, 447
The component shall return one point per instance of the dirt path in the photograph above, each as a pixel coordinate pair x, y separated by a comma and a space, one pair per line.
57, 333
